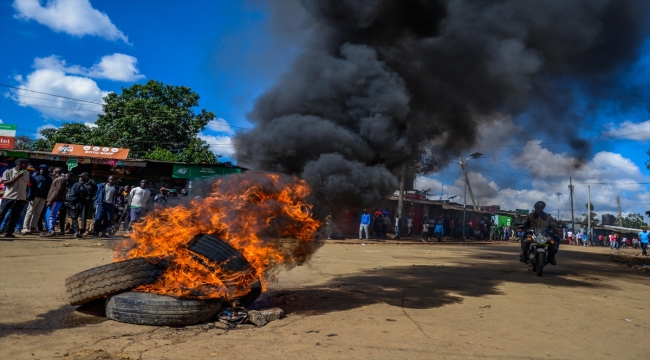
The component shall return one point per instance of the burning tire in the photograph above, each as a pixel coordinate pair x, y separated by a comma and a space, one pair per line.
229, 259
151, 309
110, 279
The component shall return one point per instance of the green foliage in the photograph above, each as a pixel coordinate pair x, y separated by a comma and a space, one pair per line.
633, 221
23, 143
153, 120
594, 216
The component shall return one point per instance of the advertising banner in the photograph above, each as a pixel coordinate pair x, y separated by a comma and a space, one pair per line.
104, 152
187, 171
7, 136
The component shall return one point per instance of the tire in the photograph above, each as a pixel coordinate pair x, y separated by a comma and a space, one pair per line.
110, 279
152, 309
248, 299
219, 252
539, 259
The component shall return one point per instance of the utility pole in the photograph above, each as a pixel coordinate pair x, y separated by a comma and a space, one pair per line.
620, 216
463, 164
573, 225
588, 209
400, 203
558, 204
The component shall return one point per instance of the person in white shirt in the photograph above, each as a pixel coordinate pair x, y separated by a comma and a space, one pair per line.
137, 201
569, 236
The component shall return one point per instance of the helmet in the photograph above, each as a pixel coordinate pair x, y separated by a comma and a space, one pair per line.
540, 204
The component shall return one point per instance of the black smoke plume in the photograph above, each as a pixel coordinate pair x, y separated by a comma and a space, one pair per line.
382, 82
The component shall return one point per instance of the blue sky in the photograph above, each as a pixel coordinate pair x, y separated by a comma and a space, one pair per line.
228, 53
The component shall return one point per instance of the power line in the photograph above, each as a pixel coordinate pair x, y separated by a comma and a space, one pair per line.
44, 93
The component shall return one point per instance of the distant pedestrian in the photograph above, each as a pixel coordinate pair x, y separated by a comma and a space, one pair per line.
137, 202
87, 205
74, 201
600, 239
409, 225
398, 225
425, 231
569, 236
16, 181
105, 202
585, 239
365, 223
40, 186
386, 219
439, 231
328, 226
644, 238
54, 201
379, 225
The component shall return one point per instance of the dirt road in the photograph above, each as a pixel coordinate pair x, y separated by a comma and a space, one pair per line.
353, 302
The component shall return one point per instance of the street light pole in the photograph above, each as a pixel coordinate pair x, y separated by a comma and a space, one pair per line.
474, 155
558, 204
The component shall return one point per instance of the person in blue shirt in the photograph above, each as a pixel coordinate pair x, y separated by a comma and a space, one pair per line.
365, 223
644, 237
438, 231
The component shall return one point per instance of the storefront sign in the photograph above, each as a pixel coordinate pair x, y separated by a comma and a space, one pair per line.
17, 154
521, 212
90, 151
414, 196
7, 136
182, 171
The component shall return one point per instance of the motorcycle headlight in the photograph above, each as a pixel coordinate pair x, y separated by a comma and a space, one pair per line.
541, 239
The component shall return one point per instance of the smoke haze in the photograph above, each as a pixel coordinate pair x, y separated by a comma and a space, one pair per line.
380, 82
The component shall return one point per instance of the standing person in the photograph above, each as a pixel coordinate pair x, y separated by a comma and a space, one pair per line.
68, 204
86, 206
74, 198
569, 236
385, 225
585, 239
328, 225
55, 198
41, 182
617, 240
409, 225
600, 240
126, 190
105, 200
644, 238
425, 231
398, 225
379, 226
16, 181
137, 201
365, 222
493, 231
160, 200
173, 200
438, 231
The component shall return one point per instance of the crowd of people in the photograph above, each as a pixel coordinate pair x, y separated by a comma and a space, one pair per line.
37, 200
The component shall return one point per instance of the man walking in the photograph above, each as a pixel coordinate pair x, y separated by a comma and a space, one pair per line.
438, 231
105, 201
398, 226
55, 198
409, 225
365, 223
41, 183
137, 201
16, 181
644, 238
67, 205
76, 195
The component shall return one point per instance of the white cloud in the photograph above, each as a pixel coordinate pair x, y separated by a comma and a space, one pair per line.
220, 145
629, 130
118, 67
609, 175
54, 80
220, 126
74, 17
1, 122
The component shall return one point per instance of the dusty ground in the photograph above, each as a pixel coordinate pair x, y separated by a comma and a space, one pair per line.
352, 301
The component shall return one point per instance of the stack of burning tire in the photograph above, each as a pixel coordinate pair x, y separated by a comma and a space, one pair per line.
115, 281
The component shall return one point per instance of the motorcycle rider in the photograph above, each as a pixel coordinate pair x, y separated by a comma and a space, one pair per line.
540, 219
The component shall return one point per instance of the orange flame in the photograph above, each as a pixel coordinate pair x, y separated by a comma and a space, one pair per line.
253, 212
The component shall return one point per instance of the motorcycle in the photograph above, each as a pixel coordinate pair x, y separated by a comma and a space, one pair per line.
540, 245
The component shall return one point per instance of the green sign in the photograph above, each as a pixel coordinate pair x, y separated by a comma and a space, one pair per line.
521, 212
182, 171
17, 154
72, 163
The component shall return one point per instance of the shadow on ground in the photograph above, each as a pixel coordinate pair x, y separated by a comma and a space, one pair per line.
65, 317
429, 286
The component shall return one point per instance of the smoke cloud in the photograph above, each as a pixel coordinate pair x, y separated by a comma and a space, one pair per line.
380, 82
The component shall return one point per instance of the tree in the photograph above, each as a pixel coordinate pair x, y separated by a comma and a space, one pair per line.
155, 121
634, 221
594, 219
23, 142
153, 117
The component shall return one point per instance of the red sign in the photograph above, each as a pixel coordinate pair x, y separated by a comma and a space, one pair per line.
7, 142
412, 196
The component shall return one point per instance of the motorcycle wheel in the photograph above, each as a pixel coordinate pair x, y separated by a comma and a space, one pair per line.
539, 259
